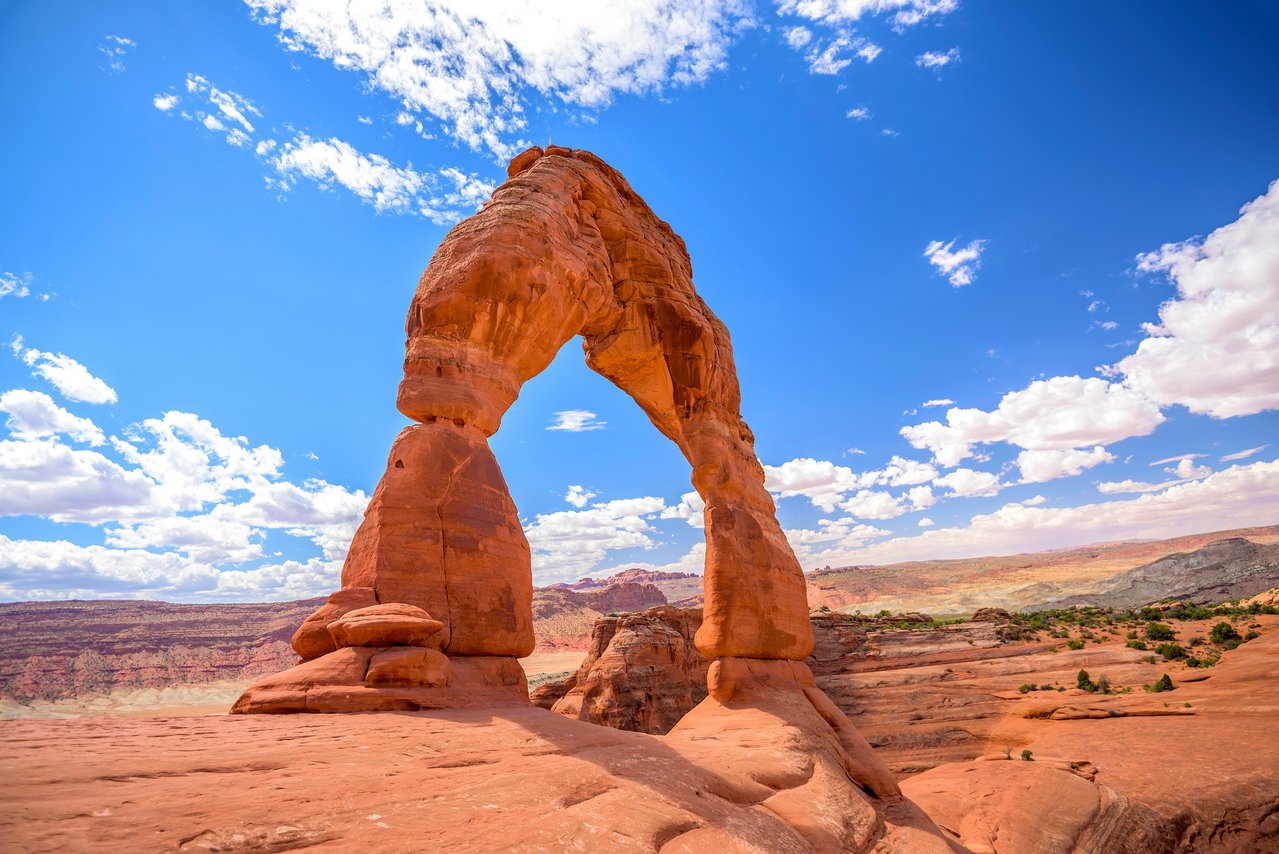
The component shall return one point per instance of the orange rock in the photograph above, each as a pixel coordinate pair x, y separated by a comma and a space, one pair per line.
312, 639
407, 666
394, 624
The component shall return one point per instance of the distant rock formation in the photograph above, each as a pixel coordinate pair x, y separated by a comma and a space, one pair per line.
1221, 571
677, 587
642, 673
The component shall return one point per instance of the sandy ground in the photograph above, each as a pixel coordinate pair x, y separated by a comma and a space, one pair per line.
213, 698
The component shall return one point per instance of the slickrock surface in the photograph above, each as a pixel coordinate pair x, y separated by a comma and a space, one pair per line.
642, 673
510, 779
953, 587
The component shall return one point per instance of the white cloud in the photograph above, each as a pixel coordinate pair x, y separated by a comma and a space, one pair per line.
67, 375
1061, 413
831, 535
114, 48
932, 59
859, 113
1187, 470
164, 103
889, 132
34, 415
1046, 465
926, 522
1177, 459
905, 13
442, 196
920, 497
1240, 496
578, 496
576, 421
837, 54
17, 286
1034, 501
821, 482
1241, 455
943, 401
958, 265
903, 472
691, 509
797, 37
49, 479
569, 543
966, 482
473, 67
870, 504
1215, 349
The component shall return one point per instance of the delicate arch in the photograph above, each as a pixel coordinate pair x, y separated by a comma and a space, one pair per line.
565, 247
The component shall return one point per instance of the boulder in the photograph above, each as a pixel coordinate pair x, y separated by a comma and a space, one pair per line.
393, 624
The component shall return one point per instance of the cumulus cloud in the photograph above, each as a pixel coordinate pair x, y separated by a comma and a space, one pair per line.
1186, 469
569, 543
34, 415
1215, 349
935, 60
820, 481
576, 421
1061, 413
181, 505
966, 482
959, 266
68, 376
691, 508
926, 522
578, 496
831, 535
474, 67
1236, 497
165, 102
1046, 465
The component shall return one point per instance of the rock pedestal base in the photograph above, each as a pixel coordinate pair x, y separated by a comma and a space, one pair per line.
380, 679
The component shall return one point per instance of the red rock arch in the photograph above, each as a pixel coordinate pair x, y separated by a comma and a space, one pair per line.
565, 247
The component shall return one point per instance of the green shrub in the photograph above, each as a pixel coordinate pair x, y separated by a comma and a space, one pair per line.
1136, 644
1075, 644
1084, 682
1164, 684
1027, 756
1223, 632
1160, 631
1027, 688
1252, 635
1171, 651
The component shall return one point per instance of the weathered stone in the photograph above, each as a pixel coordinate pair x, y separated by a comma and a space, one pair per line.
407, 666
393, 624
312, 639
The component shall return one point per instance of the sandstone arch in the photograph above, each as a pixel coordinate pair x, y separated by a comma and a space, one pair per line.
564, 248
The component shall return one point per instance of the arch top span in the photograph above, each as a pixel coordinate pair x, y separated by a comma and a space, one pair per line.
565, 247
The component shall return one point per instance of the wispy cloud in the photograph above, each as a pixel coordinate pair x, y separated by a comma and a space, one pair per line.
937, 61
442, 196
67, 375
576, 421
115, 48
958, 265
1243, 455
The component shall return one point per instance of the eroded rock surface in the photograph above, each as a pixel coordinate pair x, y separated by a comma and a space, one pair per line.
642, 673
565, 248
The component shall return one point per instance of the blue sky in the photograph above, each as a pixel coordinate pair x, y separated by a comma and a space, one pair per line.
1000, 276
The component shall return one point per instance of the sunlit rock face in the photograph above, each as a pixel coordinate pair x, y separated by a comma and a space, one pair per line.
564, 248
